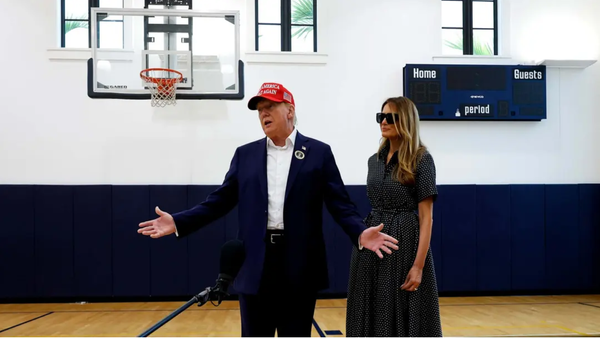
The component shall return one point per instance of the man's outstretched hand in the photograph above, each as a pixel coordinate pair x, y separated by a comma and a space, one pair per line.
374, 240
162, 226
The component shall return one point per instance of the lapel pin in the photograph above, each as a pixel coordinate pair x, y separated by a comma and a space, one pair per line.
304, 148
299, 154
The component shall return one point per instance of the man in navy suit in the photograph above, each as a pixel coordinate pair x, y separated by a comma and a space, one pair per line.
279, 184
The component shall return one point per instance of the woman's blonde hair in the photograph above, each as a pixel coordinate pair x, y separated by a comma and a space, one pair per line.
411, 148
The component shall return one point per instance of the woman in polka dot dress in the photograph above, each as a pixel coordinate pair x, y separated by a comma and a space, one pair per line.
397, 295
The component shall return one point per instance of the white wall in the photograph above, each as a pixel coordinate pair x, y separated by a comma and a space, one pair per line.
51, 132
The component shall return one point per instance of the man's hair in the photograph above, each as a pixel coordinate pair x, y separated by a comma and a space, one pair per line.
295, 118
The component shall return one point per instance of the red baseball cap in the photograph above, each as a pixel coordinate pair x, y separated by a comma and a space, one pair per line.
271, 91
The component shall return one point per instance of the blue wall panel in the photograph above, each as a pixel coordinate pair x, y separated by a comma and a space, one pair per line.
342, 248
493, 238
54, 271
92, 245
204, 246
78, 242
17, 241
231, 231
436, 244
459, 246
169, 255
329, 234
130, 250
562, 237
338, 245
589, 236
527, 206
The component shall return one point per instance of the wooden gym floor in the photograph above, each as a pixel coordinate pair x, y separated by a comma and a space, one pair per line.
466, 316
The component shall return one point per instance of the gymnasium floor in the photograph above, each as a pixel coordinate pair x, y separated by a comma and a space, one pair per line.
476, 316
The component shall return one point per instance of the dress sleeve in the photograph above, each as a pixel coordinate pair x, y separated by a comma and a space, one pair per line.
425, 178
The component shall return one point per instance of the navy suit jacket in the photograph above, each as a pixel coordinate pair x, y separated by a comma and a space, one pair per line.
312, 181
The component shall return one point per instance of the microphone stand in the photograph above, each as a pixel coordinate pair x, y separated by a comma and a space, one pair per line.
200, 298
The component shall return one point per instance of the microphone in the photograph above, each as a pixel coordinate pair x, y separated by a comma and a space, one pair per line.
230, 262
232, 258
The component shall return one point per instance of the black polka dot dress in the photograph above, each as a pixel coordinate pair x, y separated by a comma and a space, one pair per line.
376, 304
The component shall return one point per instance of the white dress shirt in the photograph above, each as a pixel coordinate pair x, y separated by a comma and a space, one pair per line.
279, 160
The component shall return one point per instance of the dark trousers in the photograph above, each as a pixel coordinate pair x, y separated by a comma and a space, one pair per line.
275, 308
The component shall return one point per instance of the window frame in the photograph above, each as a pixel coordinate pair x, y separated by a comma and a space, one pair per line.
285, 25
467, 25
91, 4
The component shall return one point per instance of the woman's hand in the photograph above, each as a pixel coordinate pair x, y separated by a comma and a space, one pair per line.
413, 279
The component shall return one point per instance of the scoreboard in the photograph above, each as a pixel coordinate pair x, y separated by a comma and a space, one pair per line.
477, 92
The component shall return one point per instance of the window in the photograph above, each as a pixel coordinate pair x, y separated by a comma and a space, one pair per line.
286, 25
470, 27
75, 22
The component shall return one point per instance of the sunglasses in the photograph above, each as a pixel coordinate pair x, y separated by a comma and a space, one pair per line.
387, 117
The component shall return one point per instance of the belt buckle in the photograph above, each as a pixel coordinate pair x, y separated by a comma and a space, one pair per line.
272, 235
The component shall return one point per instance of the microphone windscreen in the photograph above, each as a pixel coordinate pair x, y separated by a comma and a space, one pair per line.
232, 258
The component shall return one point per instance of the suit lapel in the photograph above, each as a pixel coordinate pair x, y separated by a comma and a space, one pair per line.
262, 162
299, 156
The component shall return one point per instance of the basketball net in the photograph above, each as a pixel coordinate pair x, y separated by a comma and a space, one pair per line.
162, 85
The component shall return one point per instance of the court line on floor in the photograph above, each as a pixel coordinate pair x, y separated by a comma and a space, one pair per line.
483, 304
202, 310
334, 333
25, 322
544, 324
113, 310
571, 330
321, 334
317, 308
499, 304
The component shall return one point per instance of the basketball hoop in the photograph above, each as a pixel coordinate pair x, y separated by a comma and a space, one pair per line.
162, 85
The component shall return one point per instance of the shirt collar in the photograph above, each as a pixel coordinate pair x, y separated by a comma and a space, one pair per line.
291, 139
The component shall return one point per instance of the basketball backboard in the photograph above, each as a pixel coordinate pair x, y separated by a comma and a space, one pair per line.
202, 45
